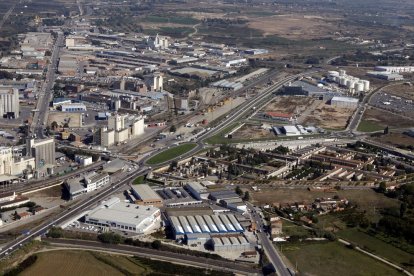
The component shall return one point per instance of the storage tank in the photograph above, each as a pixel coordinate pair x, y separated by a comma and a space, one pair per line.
342, 81
350, 83
359, 87
342, 73
366, 85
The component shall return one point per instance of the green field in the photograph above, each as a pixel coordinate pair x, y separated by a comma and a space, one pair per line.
333, 258
71, 262
170, 154
139, 180
378, 247
368, 126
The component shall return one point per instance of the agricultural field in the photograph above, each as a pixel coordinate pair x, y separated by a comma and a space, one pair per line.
379, 247
374, 118
333, 258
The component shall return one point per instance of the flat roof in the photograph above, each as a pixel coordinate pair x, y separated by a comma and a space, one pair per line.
145, 192
344, 99
126, 213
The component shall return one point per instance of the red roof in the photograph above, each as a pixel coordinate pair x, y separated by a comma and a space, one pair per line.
281, 115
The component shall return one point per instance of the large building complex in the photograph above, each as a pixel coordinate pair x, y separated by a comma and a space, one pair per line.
119, 131
9, 102
116, 215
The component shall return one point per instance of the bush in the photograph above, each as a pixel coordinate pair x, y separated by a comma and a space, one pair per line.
110, 238
156, 244
55, 233
22, 266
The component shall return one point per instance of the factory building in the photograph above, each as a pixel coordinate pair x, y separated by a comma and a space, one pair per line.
72, 107
197, 190
204, 224
9, 102
119, 131
237, 243
146, 196
395, 69
279, 116
116, 215
344, 102
176, 197
42, 150
82, 185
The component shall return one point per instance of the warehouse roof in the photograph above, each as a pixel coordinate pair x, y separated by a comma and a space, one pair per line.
145, 192
344, 99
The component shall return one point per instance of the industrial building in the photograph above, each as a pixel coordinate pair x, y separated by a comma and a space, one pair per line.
206, 224
197, 190
9, 102
42, 150
395, 69
85, 184
83, 160
236, 243
144, 195
72, 107
279, 116
119, 131
116, 215
176, 197
344, 102
355, 85
15, 165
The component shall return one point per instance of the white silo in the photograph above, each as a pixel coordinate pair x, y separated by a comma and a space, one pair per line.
342, 80
342, 73
366, 85
359, 87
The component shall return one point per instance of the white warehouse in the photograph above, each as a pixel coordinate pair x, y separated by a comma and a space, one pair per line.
344, 102
116, 215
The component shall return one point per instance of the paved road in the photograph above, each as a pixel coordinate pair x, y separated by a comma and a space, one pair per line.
220, 265
45, 96
270, 250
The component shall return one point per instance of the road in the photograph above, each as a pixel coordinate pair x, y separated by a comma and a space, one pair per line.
45, 96
269, 249
220, 265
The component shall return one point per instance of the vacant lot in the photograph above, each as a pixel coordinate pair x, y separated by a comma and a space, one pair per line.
293, 26
170, 154
381, 118
329, 117
333, 258
252, 132
289, 104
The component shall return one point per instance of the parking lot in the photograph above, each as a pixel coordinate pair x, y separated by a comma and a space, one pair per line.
393, 103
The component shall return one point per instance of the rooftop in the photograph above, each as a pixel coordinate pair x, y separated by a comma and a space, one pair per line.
145, 192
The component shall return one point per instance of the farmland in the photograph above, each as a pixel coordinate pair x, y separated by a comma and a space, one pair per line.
333, 258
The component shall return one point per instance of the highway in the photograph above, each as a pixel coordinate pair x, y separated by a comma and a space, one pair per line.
45, 96
220, 265
270, 251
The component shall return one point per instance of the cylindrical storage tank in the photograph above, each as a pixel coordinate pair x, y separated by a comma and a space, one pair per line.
342, 81
342, 73
359, 87
366, 85
333, 73
350, 83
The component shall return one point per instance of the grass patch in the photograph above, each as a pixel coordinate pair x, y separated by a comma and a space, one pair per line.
139, 180
368, 126
177, 32
333, 258
170, 154
378, 247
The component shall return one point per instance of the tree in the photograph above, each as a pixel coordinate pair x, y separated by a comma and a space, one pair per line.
382, 188
173, 128
386, 130
403, 209
239, 191
55, 233
156, 244
110, 237
54, 125
246, 196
